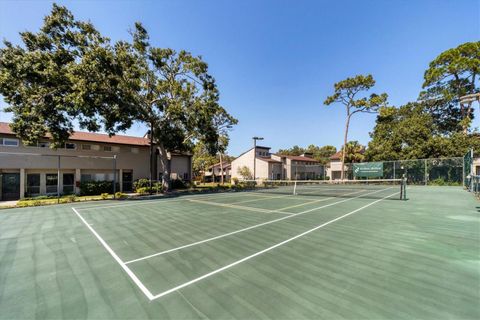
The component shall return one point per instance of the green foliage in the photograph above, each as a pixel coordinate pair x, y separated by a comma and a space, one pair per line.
451, 75
120, 195
89, 188
354, 152
245, 173
67, 72
104, 196
411, 132
321, 154
346, 93
142, 186
179, 99
202, 159
141, 183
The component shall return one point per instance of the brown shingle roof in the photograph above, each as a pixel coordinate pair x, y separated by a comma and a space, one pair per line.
298, 158
268, 160
336, 156
92, 137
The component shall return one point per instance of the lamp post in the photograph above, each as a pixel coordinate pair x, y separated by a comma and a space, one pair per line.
255, 155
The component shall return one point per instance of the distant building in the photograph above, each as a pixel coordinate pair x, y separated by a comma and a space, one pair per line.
214, 172
28, 171
277, 166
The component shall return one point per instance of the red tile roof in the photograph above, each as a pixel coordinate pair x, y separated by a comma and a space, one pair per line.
92, 137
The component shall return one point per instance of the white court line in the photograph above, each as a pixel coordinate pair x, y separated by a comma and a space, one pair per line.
267, 249
245, 229
227, 205
320, 200
117, 258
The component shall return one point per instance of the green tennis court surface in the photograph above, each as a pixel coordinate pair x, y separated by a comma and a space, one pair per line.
245, 255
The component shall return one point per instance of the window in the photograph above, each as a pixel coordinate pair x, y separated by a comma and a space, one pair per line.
43, 144
33, 183
111, 148
135, 150
51, 182
86, 147
86, 178
68, 183
10, 142
71, 146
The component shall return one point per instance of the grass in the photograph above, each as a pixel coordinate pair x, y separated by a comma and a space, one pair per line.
245, 256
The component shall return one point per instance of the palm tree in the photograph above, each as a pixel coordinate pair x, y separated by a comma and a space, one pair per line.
354, 152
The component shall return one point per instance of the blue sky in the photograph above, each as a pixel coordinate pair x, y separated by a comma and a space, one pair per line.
276, 61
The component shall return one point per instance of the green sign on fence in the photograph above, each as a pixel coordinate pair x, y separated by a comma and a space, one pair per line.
368, 170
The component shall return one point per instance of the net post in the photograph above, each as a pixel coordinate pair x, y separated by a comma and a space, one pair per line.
295, 188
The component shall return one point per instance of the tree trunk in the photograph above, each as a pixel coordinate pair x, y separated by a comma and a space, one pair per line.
165, 167
221, 169
342, 176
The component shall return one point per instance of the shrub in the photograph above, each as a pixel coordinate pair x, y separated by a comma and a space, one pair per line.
93, 188
235, 180
71, 198
141, 183
104, 196
120, 195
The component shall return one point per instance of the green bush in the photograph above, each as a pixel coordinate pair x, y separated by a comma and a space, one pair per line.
91, 188
120, 195
104, 196
141, 183
442, 182
71, 198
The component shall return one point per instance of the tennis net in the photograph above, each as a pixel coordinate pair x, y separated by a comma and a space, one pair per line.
374, 188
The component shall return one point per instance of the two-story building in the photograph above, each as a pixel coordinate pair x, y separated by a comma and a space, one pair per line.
215, 172
34, 170
276, 166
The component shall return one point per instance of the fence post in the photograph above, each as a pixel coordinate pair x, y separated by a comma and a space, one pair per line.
426, 177
394, 162
114, 175
58, 180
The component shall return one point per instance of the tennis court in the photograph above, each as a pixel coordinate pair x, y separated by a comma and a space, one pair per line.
286, 251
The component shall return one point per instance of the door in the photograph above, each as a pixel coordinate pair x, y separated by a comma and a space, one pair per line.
127, 178
10, 186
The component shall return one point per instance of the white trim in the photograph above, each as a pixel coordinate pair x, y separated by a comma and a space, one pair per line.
135, 279
266, 250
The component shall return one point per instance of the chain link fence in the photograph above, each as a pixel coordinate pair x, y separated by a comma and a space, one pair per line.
433, 171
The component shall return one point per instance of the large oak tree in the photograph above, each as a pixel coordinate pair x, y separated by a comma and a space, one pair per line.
178, 100
67, 72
